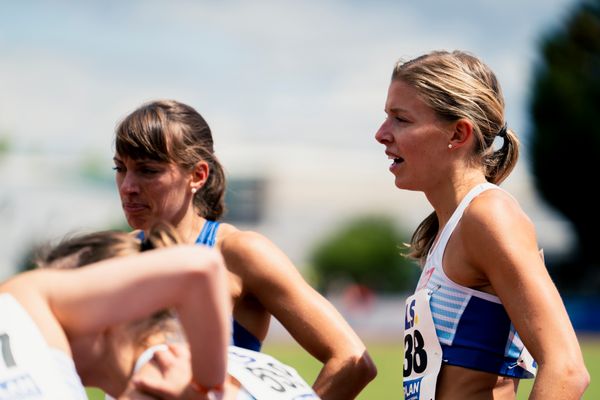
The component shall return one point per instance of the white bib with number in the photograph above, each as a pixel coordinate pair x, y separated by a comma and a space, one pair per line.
422, 350
265, 378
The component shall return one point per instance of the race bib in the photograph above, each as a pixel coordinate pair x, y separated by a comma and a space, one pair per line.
422, 350
265, 378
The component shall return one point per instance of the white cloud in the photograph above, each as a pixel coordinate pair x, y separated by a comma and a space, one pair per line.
273, 65
311, 73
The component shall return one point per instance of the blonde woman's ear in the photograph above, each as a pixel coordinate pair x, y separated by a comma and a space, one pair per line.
463, 130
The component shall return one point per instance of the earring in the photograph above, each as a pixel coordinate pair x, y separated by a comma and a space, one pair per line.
449, 145
194, 190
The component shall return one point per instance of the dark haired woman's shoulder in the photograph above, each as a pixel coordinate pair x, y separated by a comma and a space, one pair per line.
232, 239
246, 250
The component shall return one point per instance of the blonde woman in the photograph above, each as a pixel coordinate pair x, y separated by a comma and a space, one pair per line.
485, 313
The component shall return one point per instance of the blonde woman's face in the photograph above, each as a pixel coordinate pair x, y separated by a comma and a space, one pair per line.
415, 139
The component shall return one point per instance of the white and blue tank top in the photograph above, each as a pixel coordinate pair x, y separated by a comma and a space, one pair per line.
473, 327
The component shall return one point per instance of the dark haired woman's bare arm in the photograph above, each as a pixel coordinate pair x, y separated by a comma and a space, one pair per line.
268, 275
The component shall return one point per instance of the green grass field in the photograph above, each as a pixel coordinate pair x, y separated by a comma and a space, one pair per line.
388, 358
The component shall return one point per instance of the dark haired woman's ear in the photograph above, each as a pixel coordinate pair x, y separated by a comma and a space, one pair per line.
200, 175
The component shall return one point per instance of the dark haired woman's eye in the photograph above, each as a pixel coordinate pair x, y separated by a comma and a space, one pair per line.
149, 171
117, 168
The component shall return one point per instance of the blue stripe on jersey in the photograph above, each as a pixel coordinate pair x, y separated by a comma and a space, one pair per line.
474, 332
514, 344
484, 339
447, 306
241, 337
208, 234
474, 359
484, 325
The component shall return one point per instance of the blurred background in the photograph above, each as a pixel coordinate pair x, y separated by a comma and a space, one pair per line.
294, 92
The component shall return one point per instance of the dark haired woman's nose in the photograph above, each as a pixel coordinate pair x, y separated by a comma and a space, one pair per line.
128, 185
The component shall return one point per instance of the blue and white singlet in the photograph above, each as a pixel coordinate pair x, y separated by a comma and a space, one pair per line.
473, 327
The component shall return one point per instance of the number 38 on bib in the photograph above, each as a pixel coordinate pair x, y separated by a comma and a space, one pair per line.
422, 351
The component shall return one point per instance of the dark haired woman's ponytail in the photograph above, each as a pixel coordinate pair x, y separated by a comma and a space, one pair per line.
210, 199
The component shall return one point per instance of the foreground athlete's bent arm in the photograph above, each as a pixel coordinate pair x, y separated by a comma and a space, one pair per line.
190, 279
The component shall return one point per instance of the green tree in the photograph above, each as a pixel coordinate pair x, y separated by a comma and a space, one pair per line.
365, 251
4, 145
565, 142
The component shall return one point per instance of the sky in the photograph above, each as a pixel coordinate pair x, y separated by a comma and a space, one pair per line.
277, 75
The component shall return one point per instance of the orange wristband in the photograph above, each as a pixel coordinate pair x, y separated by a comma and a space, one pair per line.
206, 390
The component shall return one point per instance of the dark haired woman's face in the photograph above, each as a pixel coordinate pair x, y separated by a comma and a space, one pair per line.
151, 191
